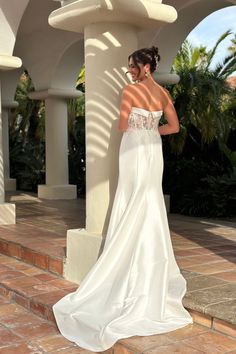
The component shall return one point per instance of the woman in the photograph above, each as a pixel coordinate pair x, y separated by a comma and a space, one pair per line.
135, 287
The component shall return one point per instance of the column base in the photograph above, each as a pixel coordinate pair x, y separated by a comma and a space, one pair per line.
10, 184
67, 191
7, 214
83, 250
82, 253
8, 62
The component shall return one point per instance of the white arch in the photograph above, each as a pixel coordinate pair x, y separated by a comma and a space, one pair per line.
40, 46
169, 37
10, 16
68, 66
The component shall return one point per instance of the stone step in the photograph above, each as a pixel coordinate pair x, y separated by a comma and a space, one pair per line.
32, 287
211, 301
23, 332
38, 290
35, 255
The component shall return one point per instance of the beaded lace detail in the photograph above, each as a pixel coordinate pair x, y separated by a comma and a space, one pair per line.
143, 119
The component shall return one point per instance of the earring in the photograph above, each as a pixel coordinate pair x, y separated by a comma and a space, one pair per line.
147, 74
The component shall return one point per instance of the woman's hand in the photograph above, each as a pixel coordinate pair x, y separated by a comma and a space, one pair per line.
172, 125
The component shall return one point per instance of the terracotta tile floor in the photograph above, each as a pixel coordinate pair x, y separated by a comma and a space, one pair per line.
205, 250
43, 221
21, 332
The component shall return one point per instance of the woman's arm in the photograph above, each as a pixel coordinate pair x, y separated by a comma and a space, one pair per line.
125, 107
172, 125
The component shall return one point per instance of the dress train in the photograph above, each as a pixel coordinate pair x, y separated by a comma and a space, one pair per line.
135, 287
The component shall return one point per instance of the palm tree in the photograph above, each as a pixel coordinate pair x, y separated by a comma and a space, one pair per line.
201, 93
27, 119
26, 139
232, 47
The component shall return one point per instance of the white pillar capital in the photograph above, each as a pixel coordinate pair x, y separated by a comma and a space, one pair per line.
166, 78
54, 92
75, 16
9, 104
9, 62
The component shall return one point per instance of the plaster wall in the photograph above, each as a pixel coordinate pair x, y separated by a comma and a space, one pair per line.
43, 49
10, 17
9, 81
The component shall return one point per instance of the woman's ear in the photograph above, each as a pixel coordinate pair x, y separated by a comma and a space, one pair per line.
147, 67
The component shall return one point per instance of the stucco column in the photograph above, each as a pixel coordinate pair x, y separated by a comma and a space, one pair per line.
56, 140
10, 183
57, 174
7, 210
110, 35
107, 46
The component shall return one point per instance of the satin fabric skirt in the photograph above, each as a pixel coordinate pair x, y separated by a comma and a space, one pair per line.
135, 287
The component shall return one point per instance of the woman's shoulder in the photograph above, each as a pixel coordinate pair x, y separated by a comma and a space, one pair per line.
134, 87
130, 89
130, 86
163, 89
165, 93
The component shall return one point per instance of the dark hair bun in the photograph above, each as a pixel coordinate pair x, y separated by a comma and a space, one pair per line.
146, 56
156, 54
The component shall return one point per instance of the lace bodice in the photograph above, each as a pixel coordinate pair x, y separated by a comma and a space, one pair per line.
142, 119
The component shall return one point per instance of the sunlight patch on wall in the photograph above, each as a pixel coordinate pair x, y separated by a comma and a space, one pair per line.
112, 39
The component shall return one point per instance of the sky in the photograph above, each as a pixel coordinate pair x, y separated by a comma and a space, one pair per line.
212, 27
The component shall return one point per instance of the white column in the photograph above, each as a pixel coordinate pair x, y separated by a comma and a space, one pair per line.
57, 141
107, 47
105, 78
57, 175
7, 210
2, 189
10, 183
57, 179
109, 40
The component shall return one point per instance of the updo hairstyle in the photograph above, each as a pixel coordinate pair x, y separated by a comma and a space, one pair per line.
146, 56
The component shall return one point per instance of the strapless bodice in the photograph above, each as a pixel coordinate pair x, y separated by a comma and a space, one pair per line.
140, 118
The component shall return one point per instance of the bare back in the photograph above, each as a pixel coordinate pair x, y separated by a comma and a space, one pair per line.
150, 96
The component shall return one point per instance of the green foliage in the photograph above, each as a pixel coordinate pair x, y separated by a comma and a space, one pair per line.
77, 154
80, 84
202, 93
184, 175
76, 143
201, 159
27, 163
26, 138
215, 196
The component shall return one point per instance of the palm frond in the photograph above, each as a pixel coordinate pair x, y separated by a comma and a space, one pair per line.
228, 68
213, 50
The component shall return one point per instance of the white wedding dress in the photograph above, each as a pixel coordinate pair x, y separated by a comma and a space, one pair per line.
135, 287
